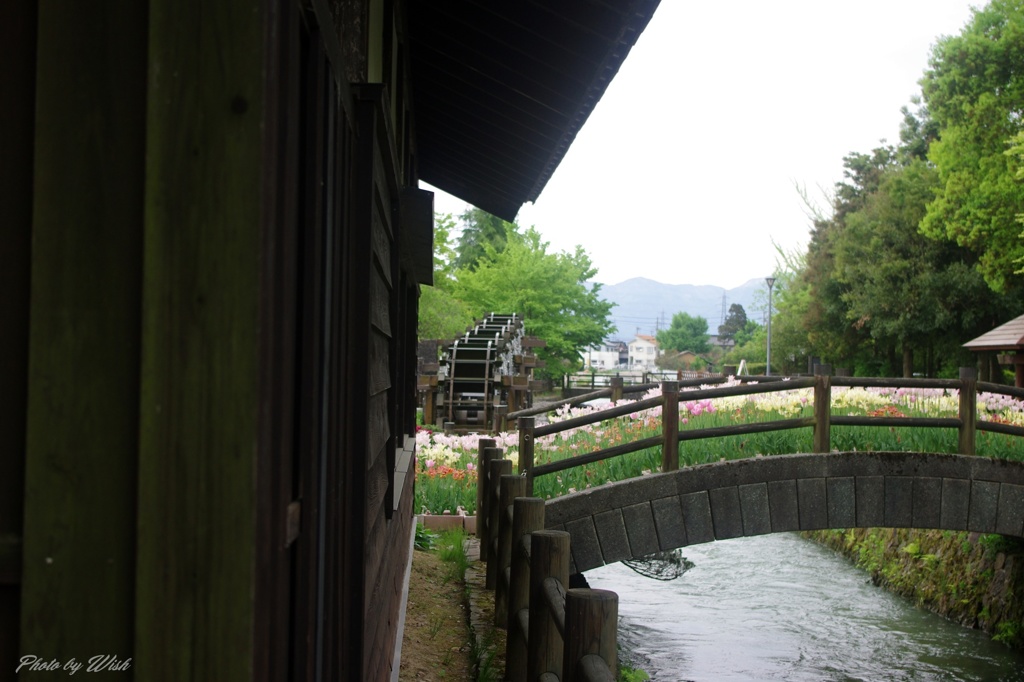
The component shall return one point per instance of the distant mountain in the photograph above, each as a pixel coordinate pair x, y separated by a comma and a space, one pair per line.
645, 305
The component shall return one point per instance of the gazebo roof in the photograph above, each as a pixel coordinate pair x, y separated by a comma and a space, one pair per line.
1009, 336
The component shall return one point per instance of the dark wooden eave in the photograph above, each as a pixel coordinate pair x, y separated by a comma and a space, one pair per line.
500, 89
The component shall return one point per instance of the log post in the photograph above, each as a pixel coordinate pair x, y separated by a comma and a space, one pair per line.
528, 518
616, 384
526, 426
670, 425
510, 487
591, 627
968, 410
485, 454
549, 558
499, 418
496, 469
822, 408
429, 407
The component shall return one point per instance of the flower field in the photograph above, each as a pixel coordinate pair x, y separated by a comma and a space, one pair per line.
446, 476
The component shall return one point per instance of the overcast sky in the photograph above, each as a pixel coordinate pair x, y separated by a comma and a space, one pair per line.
686, 171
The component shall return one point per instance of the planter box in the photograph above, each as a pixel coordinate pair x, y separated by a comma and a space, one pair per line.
442, 522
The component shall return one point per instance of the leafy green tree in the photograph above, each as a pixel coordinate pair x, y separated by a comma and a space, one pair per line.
748, 331
481, 231
973, 89
441, 314
734, 322
685, 333
550, 290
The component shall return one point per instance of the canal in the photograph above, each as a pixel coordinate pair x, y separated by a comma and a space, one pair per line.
779, 607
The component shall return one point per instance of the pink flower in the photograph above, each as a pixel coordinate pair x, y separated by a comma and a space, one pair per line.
430, 463
470, 466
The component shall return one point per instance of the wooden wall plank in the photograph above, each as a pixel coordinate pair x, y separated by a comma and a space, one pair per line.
200, 361
17, 126
82, 407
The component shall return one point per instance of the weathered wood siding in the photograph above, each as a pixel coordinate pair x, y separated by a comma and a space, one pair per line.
17, 124
209, 353
77, 597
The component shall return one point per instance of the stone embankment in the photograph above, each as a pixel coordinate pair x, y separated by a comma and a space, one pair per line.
972, 579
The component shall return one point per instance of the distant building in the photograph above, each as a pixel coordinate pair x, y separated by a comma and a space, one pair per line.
606, 355
724, 342
643, 351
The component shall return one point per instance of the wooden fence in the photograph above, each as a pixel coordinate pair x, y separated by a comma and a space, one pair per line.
554, 633
822, 382
595, 380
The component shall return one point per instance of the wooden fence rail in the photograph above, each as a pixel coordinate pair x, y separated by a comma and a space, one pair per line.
966, 422
554, 633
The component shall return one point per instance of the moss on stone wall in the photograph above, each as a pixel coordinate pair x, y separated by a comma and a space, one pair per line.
975, 580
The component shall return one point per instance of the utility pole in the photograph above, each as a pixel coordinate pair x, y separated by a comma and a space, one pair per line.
768, 363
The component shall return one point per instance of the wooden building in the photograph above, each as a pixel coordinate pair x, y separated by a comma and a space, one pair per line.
1005, 337
213, 239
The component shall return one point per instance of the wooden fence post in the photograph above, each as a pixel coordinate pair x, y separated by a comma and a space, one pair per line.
511, 487
496, 469
616, 383
822, 408
528, 518
968, 410
670, 425
481, 470
549, 558
499, 418
526, 426
486, 453
591, 627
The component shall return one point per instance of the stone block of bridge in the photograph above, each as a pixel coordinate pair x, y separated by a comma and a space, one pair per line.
899, 501
782, 505
841, 496
812, 500
984, 506
870, 501
584, 550
956, 504
754, 506
697, 517
1010, 517
726, 516
927, 512
612, 536
668, 519
641, 529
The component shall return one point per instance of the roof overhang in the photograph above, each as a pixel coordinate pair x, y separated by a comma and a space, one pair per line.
1009, 336
500, 89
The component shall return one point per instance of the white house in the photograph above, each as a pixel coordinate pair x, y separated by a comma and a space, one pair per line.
606, 355
643, 351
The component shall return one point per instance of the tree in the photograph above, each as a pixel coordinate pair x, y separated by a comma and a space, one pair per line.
550, 290
734, 322
973, 89
685, 333
480, 231
441, 314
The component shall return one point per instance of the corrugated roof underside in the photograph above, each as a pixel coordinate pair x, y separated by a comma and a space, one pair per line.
502, 88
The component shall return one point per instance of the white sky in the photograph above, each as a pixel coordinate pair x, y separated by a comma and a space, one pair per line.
686, 170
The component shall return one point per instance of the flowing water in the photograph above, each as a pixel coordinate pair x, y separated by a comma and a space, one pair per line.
778, 607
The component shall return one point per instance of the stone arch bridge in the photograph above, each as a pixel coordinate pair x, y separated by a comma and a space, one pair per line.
635, 518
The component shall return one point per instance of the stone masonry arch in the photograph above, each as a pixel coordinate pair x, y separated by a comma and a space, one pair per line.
635, 518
